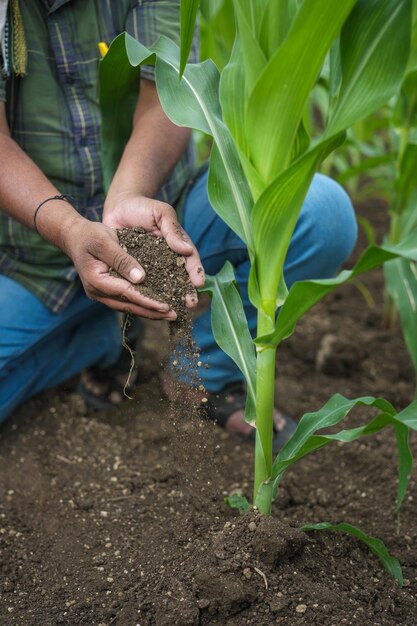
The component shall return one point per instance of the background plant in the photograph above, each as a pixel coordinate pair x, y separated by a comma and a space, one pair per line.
261, 166
379, 160
401, 274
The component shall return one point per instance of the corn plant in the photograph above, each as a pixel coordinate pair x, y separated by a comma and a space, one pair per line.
261, 166
217, 31
401, 274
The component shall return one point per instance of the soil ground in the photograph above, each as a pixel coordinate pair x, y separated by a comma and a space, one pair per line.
118, 518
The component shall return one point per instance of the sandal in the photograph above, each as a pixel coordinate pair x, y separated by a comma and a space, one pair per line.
102, 389
219, 407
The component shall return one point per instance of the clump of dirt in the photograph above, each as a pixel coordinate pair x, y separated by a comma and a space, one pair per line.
166, 278
225, 572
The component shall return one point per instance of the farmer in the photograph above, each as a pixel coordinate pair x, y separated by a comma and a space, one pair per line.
58, 303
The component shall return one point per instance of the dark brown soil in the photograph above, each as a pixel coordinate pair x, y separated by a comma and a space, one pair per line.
166, 279
119, 518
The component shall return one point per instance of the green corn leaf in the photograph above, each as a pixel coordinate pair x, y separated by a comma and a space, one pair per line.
305, 440
188, 16
217, 31
236, 501
283, 88
254, 59
304, 294
401, 281
374, 50
405, 112
366, 165
232, 100
211, 8
253, 13
406, 181
230, 329
192, 101
301, 143
376, 546
335, 71
118, 93
274, 217
232, 94
405, 460
408, 219
368, 229
276, 23
412, 62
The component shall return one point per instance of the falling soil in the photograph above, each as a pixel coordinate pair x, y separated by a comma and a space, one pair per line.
167, 280
100, 524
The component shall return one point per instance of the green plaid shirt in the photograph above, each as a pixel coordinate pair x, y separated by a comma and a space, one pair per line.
54, 116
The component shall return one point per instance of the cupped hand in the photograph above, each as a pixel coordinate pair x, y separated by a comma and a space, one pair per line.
94, 249
160, 219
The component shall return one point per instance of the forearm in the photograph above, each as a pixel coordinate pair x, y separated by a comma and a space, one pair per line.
23, 187
154, 149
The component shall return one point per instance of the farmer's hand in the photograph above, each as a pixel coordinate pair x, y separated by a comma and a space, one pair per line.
94, 249
160, 219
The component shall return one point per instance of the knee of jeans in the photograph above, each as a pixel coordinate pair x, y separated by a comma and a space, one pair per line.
111, 344
336, 228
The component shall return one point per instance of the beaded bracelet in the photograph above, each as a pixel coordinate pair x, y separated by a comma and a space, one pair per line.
64, 197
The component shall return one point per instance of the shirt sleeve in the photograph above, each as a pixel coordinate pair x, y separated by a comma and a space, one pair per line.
149, 19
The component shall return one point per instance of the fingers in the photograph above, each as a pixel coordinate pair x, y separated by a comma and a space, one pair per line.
180, 242
191, 300
101, 286
133, 309
108, 250
195, 270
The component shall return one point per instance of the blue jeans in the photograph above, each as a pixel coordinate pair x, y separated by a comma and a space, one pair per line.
40, 349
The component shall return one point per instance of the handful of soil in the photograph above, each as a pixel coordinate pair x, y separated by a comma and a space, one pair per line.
166, 278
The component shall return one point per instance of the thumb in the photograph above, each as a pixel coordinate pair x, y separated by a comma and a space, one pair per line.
123, 263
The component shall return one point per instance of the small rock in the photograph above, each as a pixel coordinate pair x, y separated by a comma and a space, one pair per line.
247, 573
252, 526
203, 603
301, 608
278, 604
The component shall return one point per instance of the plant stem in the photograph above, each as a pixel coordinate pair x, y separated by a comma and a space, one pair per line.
390, 309
265, 391
394, 236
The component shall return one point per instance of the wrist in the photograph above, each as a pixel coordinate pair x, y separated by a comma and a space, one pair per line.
55, 222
